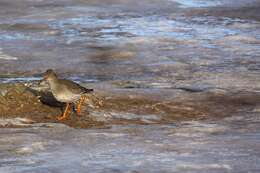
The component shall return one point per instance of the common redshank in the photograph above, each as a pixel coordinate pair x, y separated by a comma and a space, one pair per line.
66, 91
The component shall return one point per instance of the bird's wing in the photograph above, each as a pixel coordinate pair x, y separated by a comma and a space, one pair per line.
75, 87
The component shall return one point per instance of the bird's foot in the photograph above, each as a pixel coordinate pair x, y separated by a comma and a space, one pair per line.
61, 117
78, 112
65, 113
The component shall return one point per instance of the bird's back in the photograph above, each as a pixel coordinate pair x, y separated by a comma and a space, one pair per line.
74, 87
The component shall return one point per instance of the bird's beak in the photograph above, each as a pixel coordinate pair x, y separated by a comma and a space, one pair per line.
44, 78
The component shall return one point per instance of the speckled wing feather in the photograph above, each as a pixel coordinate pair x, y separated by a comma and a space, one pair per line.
75, 87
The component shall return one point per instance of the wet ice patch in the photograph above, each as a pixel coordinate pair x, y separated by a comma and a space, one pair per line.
5, 56
7, 165
126, 148
111, 135
103, 116
84, 28
234, 118
198, 3
198, 129
203, 166
161, 85
19, 79
4, 122
240, 44
14, 36
242, 39
34, 147
130, 116
245, 24
55, 126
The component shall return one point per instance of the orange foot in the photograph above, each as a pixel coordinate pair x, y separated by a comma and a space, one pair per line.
60, 117
65, 113
78, 112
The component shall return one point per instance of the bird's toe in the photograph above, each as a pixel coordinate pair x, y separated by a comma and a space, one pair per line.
60, 117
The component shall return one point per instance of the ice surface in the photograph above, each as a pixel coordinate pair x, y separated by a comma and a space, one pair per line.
159, 44
192, 146
198, 3
6, 57
15, 122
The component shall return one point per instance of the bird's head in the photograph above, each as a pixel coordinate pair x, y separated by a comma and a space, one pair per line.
49, 75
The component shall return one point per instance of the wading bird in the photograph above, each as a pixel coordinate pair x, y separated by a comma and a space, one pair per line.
65, 91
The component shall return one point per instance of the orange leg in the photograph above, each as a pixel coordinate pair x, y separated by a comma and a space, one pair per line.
82, 98
65, 113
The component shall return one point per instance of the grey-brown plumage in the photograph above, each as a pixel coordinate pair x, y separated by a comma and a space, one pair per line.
65, 91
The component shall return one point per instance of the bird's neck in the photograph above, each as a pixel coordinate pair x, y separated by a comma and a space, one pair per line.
53, 83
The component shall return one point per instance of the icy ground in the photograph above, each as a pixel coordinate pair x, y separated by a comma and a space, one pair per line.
229, 145
156, 45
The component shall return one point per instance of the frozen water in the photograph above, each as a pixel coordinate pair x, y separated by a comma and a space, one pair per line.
211, 3
152, 44
6, 57
19, 79
193, 146
15, 122
198, 3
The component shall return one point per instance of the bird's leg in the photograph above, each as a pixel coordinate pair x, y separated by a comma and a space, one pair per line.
82, 98
65, 113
